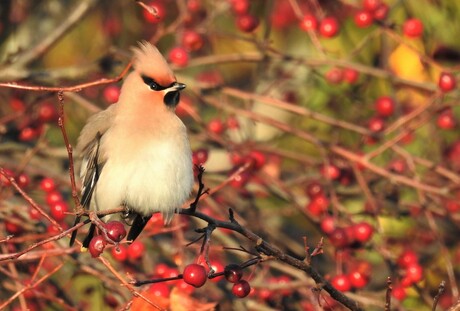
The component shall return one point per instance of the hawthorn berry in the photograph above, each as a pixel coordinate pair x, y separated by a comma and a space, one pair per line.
413, 28
192, 40
111, 94
216, 126
447, 82
47, 112
12, 227
159, 289
339, 238
53, 196
240, 7
233, 273
97, 245
314, 188
329, 27
115, 230
381, 12
258, 159
159, 12
330, 171
414, 272
200, 156
399, 292
318, 205
23, 180
17, 104
136, 250
341, 283
334, 75
371, 5
241, 289
120, 253
247, 22
445, 120
363, 231
308, 22
363, 19
28, 134
178, 56
385, 106
350, 75
376, 124
47, 184
407, 258
195, 275
357, 279
327, 224
58, 210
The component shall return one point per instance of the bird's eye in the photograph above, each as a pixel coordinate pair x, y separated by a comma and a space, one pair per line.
151, 83
154, 86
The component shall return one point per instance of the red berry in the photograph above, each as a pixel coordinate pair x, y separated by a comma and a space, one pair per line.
120, 253
28, 134
192, 40
398, 166
329, 27
47, 112
308, 22
178, 56
341, 283
216, 126
385, 106
339, 238
314, 188
23, 180
53, 197
446, 120
452, 206
217, 266
330, 172
371, 5
159, 290
194, 6
12, 227
357, 279
247, 22
327, 224
363, 232
376, 124
185, 287
381, 12
240, 180
111, 94
414, 272
413, 28
399, 292
58, 210
240, 7
363, 19
407, 258
350, 75
34, 214
161, 269
241, 289
159, 15
96, 246
195, 275
334, 76
318, 205
447, 82
258, 158
17, 104
136, 250
200, 156
4, 180
47, 184
115, 230
233, 273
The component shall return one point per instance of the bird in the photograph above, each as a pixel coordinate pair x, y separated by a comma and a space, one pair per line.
136, 153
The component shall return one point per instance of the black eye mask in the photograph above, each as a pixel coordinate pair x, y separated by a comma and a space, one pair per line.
153, 85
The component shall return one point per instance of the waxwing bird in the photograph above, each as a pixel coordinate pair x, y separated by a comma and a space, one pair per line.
136, 153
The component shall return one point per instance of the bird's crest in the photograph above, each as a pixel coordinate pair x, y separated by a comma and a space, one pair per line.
149, 61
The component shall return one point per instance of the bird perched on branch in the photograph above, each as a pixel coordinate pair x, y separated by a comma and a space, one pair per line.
136, 153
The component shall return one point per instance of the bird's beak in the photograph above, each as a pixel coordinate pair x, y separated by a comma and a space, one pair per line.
177, 86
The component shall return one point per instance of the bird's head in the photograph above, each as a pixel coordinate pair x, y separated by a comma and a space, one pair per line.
152, 78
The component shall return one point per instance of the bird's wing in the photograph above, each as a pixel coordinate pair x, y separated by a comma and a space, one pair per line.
89, 145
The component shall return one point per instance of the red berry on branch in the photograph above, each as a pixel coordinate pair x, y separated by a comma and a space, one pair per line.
28, 134
385, 106
247, 22
446, 120
97, 245
47, 112
159, 290
329, 27
381, 12
363, 19
58, 210
363, 231
47, 184
233, 273
216, 126
371, 5
357, 279
136, 250
195, 275
327, 224
407, 258
318, 205
53, 197
413, 28
178, 56
17, 105
241, 289
447, 82
120, 253
339, 238
240, 7
200, 156
376, 124
115, 230
334, 75
158, 14
341, 283
350, 75
111, 94
330, 171
314, 188
23, 180
309, 22
192, 40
